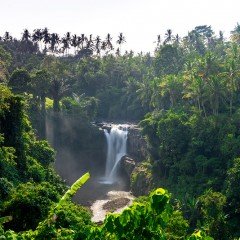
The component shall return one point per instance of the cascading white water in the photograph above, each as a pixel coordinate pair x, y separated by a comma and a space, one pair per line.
116, 149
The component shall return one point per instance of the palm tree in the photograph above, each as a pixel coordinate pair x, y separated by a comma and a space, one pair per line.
195, 85
171, 87
74, 42
144, 92
65, 44
231, 74
82, 40
26, 35
168, 36
177, 39
59, 79
54, 39
104, 46
46, 37
216, 93
68, 36
221, 37
7, 37
158, 40
109, 42
37, 36
117, 52
98, 45
79, 42
89, 42
120, 41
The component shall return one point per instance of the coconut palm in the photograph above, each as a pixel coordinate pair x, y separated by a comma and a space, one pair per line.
177, 39
37, 36
89, 42
117, 52
68, 36
98, 45
104, 46
26, 36
82, 40
221, 37
231, 74
7, 37
120, 41
74, 42
109, 42
65, 44
168, 36
46, 38
54, 40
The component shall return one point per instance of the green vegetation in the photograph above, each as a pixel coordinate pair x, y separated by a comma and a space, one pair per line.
186, 98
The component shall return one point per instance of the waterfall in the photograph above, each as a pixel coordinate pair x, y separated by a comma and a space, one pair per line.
116, 149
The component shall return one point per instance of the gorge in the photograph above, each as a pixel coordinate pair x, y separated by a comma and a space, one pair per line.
100, 149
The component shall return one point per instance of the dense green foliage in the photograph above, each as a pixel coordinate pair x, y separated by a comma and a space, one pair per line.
152, 219
186, 97
28, 185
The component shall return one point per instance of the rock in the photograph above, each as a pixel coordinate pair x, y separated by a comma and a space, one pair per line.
107, 127
136, 144
115, 204
141, 179
128, 164
116, 201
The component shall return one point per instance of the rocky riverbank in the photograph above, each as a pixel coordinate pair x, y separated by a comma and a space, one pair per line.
115, 201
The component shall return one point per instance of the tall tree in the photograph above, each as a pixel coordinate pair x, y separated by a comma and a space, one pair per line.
20, 81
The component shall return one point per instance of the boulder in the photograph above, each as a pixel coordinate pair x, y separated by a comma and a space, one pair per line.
128, 164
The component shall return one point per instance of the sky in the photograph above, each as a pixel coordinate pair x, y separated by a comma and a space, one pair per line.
139, 20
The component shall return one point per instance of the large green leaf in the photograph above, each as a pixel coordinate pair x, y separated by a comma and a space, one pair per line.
73, 189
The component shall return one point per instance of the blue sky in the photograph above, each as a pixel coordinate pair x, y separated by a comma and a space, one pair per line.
140, 20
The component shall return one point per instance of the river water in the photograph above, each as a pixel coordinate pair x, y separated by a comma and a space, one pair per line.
116, 139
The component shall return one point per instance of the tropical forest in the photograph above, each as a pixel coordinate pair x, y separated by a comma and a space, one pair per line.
102, 143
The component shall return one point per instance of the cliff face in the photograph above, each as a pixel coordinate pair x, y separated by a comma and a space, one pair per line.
136, 144
138, 169
80, 146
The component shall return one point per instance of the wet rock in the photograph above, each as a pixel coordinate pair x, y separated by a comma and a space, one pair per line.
136, 144
107, 127
128, 165
115, 204
116, 201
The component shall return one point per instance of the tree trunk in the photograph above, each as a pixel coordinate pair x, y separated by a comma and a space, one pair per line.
56, 105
